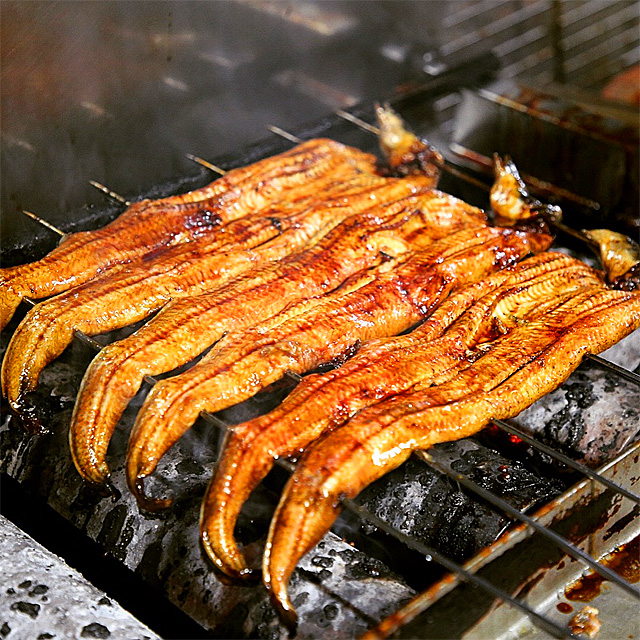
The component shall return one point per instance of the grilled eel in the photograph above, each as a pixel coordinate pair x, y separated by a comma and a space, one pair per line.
381, 368
149, 224
532, 359
134, 291
510, 199
619, 256
186, 327
327, 329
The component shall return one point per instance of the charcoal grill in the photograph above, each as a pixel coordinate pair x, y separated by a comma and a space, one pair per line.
373, 566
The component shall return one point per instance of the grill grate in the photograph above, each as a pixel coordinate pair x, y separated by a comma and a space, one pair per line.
465, 574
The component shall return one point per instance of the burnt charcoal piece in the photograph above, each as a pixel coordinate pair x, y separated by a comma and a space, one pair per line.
431, 508
595, 414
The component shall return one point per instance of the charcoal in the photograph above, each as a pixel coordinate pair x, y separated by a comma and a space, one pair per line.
429, 507
595, 414
164, 549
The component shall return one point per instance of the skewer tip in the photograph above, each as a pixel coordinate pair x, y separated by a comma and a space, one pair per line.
112, 194
44, 223
205, 163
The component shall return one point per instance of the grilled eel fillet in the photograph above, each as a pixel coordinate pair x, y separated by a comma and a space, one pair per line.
185, 328
532, 359
134, 291
382, 368
323, 330
149, 224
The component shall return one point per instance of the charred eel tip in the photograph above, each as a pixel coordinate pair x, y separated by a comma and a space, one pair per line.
286, 613
105, 489
226, 574
145, 502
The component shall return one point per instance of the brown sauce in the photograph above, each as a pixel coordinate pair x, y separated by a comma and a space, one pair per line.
564, 607
625, 561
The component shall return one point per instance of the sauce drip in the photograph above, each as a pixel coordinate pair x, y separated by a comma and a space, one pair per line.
625, 561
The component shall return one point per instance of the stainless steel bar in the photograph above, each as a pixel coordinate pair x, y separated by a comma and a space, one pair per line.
284, 134
509, 21
569, 548
631, 376
626, 39
83, 337
486, 163
560, 457
293, 375
345, 115
470, 11
600, 27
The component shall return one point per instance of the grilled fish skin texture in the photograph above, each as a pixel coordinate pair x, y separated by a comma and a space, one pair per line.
531, 360
134, 291
186, 327
173, 406
250, 448
150, 224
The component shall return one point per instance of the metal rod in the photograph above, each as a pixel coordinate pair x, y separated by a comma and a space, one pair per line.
205, 163
454, 171
614, 368
540, 185
484, 162
293, 375
363, 513
284, 134
565, 545
358, 122
112, 194
560, 457
547, 625
44, 223
83, 337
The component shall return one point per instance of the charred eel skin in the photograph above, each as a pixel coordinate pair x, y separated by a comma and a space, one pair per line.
132, 292
390, 304
184, 328
381, 368
174, 405
148, 225
532, 359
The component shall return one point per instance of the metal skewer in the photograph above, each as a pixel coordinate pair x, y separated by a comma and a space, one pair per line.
284, 134
345, 115
205, 163
44, 223
540, 185
112, 194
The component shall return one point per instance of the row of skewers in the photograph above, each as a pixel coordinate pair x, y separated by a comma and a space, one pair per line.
320, 254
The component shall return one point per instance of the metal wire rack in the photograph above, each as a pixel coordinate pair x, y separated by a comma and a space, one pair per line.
460, 572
